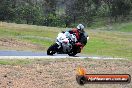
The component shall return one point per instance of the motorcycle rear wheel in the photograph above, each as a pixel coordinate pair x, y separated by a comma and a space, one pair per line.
72, 53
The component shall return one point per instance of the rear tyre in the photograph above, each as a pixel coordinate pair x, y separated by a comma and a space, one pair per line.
52, 49
72, 53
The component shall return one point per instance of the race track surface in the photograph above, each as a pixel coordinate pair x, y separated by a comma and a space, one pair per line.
13, 54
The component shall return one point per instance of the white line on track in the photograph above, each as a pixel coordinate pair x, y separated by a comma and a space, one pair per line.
52, 57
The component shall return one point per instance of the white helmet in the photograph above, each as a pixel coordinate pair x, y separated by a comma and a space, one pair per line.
80, 27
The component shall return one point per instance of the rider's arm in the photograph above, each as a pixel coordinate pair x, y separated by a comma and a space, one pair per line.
70, 31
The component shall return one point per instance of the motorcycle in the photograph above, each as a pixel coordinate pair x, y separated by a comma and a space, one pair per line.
65, 44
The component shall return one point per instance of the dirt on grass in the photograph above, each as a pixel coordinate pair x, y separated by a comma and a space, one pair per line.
15, 44
61, 73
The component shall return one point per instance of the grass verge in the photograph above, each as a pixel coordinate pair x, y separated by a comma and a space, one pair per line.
15, 62
102, 42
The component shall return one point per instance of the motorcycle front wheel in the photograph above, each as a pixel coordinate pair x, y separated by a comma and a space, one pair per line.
52, 49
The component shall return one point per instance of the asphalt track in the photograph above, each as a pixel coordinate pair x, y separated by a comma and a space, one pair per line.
13, 54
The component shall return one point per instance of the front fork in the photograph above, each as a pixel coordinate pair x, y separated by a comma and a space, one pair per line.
59, 48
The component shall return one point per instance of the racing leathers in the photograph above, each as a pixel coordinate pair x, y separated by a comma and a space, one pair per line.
81, 37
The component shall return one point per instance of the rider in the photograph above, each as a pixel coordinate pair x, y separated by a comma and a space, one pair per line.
80, 34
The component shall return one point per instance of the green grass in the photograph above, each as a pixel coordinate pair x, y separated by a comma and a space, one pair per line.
116, 43
126, 28
45, 43
21, 32
123, 27
16, 62
107, 48
109, 43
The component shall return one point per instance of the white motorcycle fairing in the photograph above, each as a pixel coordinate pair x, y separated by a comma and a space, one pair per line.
63, 40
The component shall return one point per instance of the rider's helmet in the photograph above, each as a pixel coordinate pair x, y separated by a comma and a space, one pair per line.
80, 28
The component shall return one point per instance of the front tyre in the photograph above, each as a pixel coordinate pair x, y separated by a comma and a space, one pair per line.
52, 49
